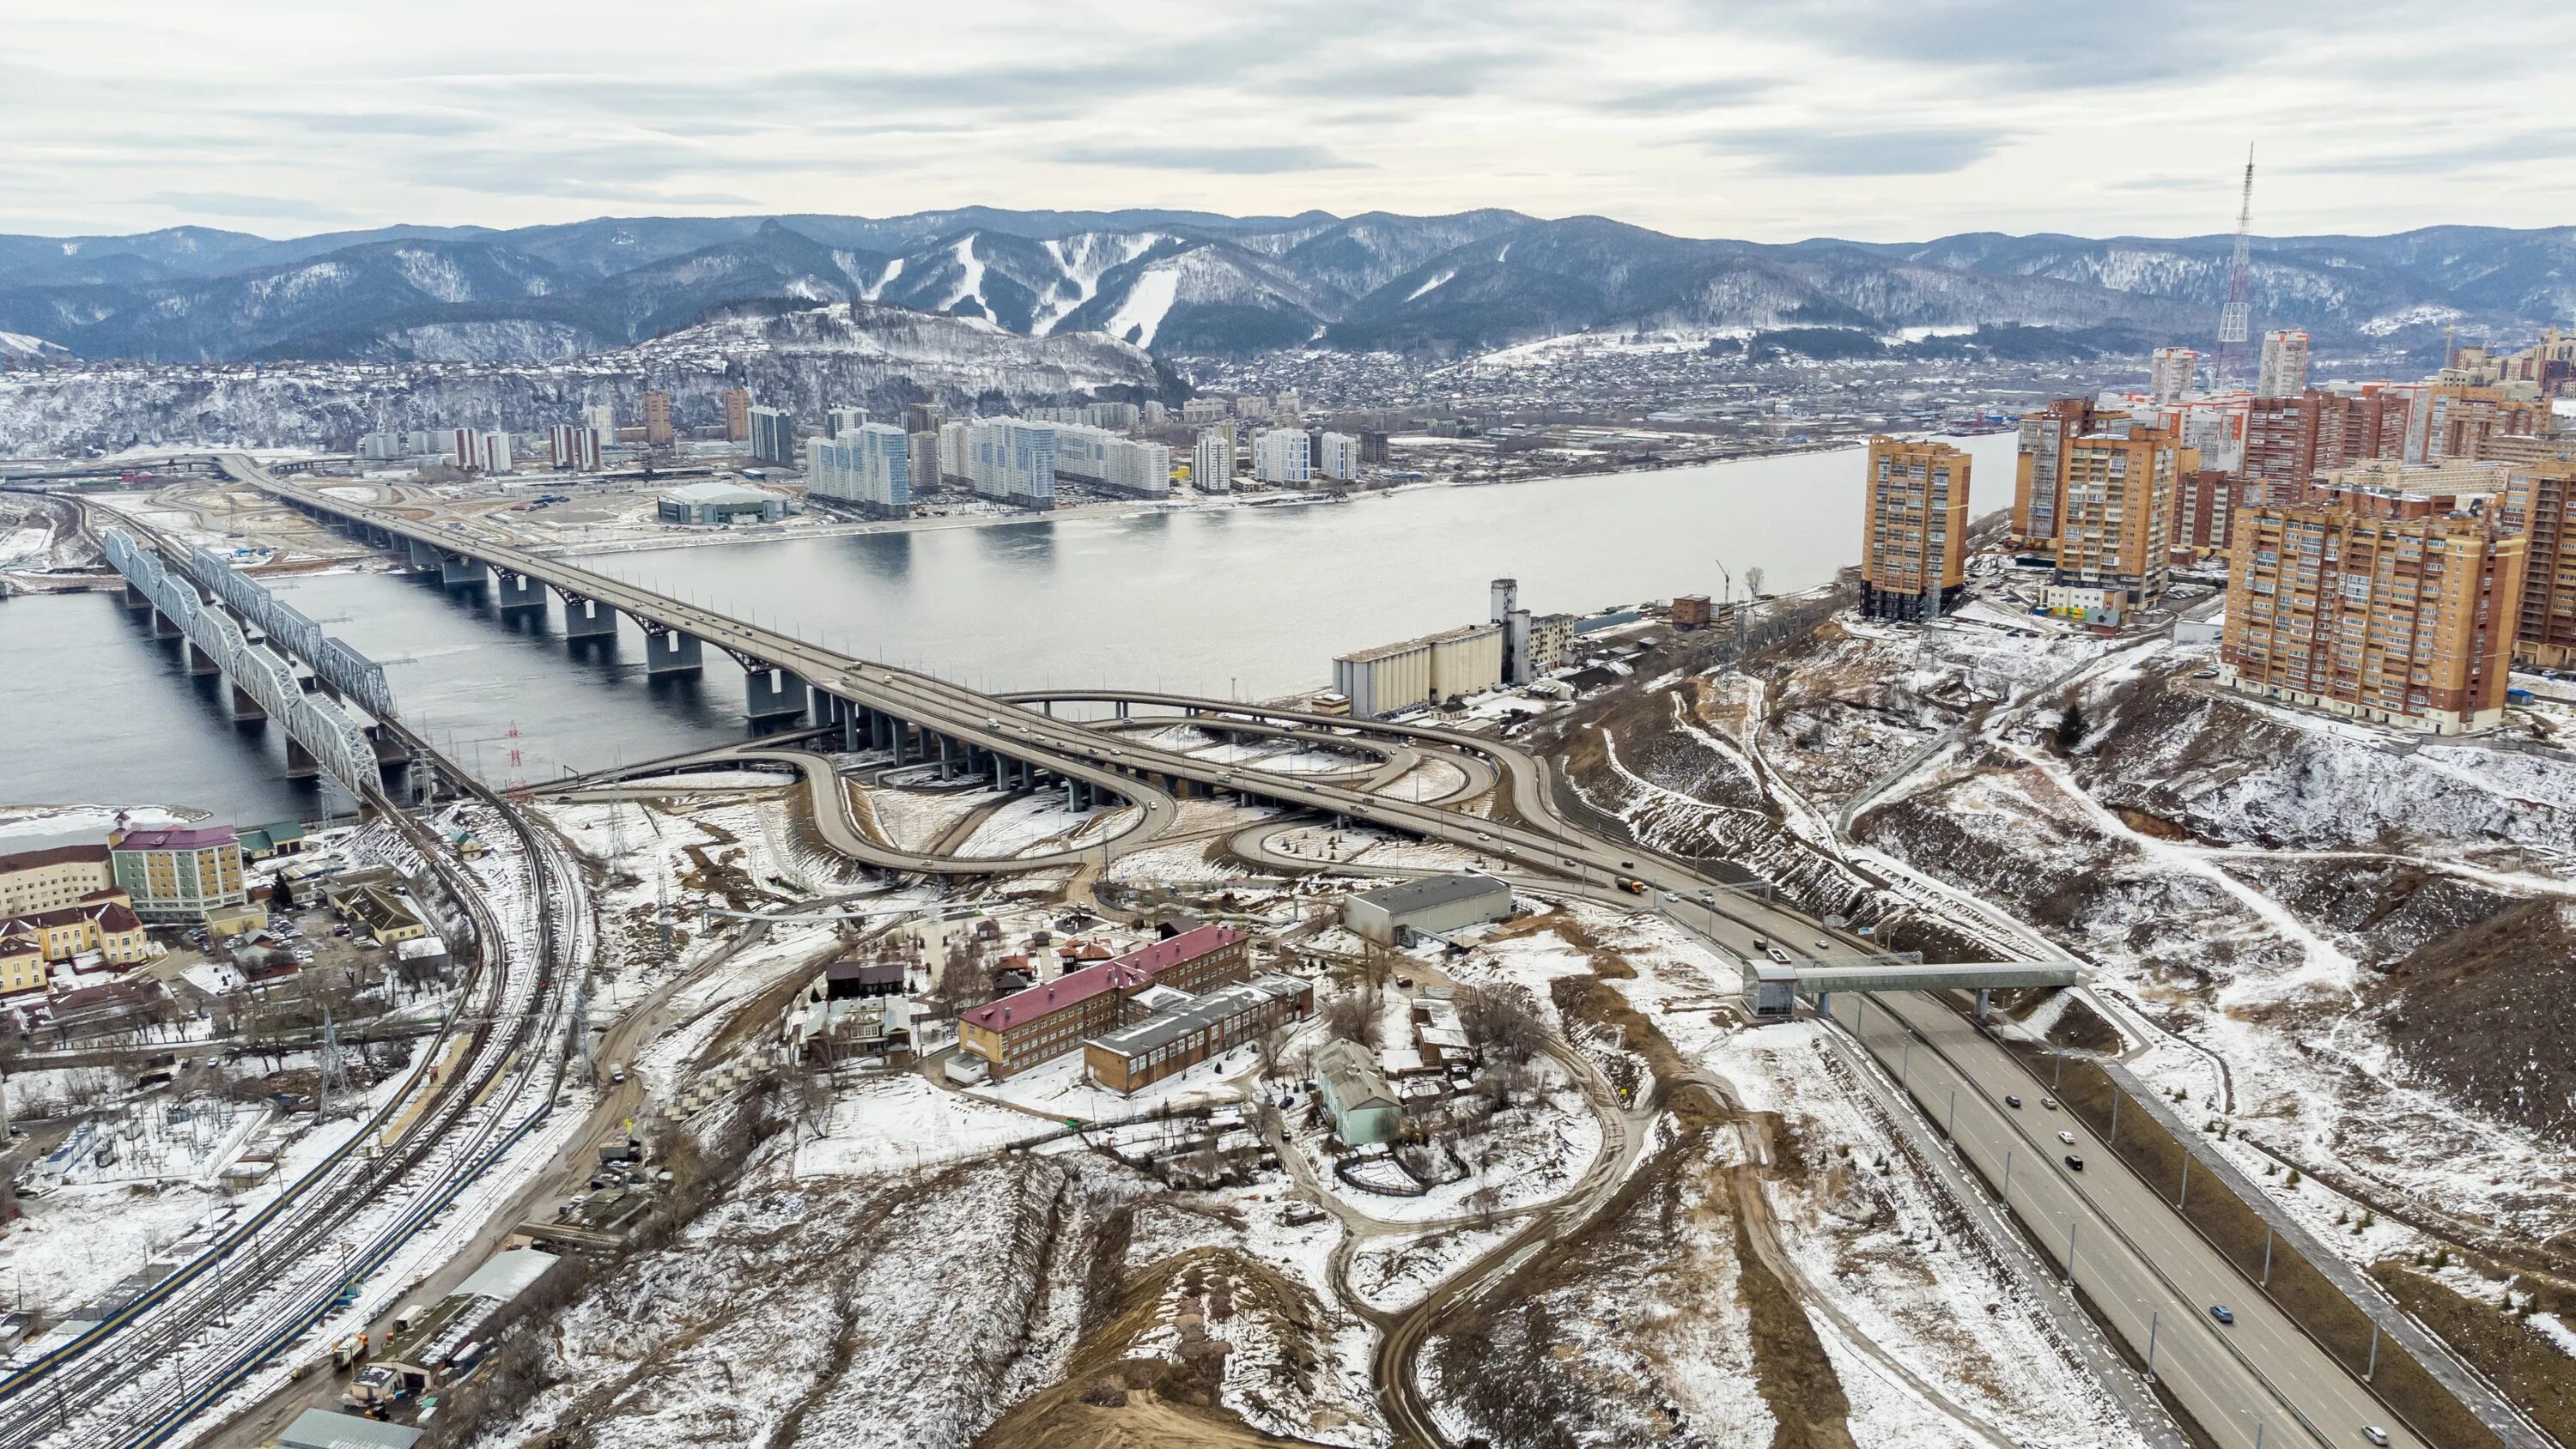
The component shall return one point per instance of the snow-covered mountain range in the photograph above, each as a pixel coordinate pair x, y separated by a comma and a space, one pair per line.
1192, 283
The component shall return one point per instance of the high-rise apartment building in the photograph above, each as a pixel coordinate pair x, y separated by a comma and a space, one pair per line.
868, 467
2170, 374
924, 451
1337, 456
737, 414
2284, 370
1097, 455
773, 436
2039, 468
837, 421
2381, 604
602, 417
922, 418
1915, 530
2540, 507
1012, 461
1280, 455
2115, 525
576, 448
1212, 460
655, 405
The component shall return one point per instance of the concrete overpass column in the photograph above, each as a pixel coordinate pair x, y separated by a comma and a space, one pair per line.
1072, 789
424, 556
854, 728
668, 651
1825, 1005
201, 662
457, 571
947, 758
880, 729
1122, 709
1983, 992
769, 693
588, 619
513, 592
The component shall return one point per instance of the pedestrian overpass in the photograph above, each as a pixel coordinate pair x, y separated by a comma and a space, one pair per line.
1777, 988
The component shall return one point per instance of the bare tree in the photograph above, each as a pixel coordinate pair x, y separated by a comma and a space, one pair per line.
1753, 581
1502, 1020
1354, 1016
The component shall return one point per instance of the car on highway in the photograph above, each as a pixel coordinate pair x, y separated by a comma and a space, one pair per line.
2074, 1162
2066, 1137
1709, 896
1480, 835
1672, 895
1627, 865
2049, 1102
2222, 1313
2012, 1102
1824, 945
2376, 1435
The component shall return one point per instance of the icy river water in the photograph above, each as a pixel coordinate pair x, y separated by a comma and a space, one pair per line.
1246, 601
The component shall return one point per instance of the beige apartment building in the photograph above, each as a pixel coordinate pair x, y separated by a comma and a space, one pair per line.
2388, 606
1915, 520
2114, 522
2540, 507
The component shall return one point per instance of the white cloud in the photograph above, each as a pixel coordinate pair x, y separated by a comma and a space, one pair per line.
1766, 119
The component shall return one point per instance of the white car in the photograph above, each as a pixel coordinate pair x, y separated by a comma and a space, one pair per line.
2066, 1137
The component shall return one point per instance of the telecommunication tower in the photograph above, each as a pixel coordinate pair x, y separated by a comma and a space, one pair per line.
2235, 319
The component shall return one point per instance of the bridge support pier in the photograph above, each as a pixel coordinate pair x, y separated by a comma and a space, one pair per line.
199, 661
513, 592
1983, 992
163, 626
771, 692
1825, 1005
136, 599
300, 764
245, 708
456, 571
588, 619
947, 758
1122, 709
882, 730
424, 556
668, 651
829, 710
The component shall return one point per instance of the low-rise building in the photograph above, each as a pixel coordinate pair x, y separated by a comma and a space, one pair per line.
1432, 905
1354, 1094
1186, 1032
103, 922
40, 880
382, 916
1051, 1018
717, 503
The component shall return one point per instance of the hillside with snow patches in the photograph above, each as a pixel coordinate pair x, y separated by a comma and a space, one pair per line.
845, 353
1200, 284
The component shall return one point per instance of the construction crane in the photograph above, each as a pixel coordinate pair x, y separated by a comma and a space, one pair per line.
2235, 319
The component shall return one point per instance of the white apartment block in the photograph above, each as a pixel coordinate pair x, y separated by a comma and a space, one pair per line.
1341, 459
2284, 372
1212, 460
1279, 455
576, 447
1097, 455
1012, 461
844, 420
869, 467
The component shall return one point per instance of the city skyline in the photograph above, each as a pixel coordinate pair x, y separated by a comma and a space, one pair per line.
1767, 122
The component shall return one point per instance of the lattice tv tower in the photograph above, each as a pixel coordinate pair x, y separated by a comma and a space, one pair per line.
2235, 319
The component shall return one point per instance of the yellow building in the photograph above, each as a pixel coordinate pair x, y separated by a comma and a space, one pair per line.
2039, 465
2392, 607
2115, 518
102, 921
179, 875
41, 880
22, 963
1914, 530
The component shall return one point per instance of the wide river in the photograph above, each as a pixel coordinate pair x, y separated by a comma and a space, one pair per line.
1245, 601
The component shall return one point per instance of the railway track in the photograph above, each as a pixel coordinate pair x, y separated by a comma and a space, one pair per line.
148, 1375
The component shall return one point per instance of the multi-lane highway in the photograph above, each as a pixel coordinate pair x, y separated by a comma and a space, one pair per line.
2152, 1277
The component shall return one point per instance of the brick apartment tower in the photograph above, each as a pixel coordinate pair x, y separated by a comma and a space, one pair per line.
1915, 522
737, 411
657, 419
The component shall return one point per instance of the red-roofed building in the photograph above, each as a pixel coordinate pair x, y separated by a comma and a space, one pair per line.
101, 921
1052, 1018
42, 880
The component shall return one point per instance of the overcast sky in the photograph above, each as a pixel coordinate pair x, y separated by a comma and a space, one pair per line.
1764, 119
